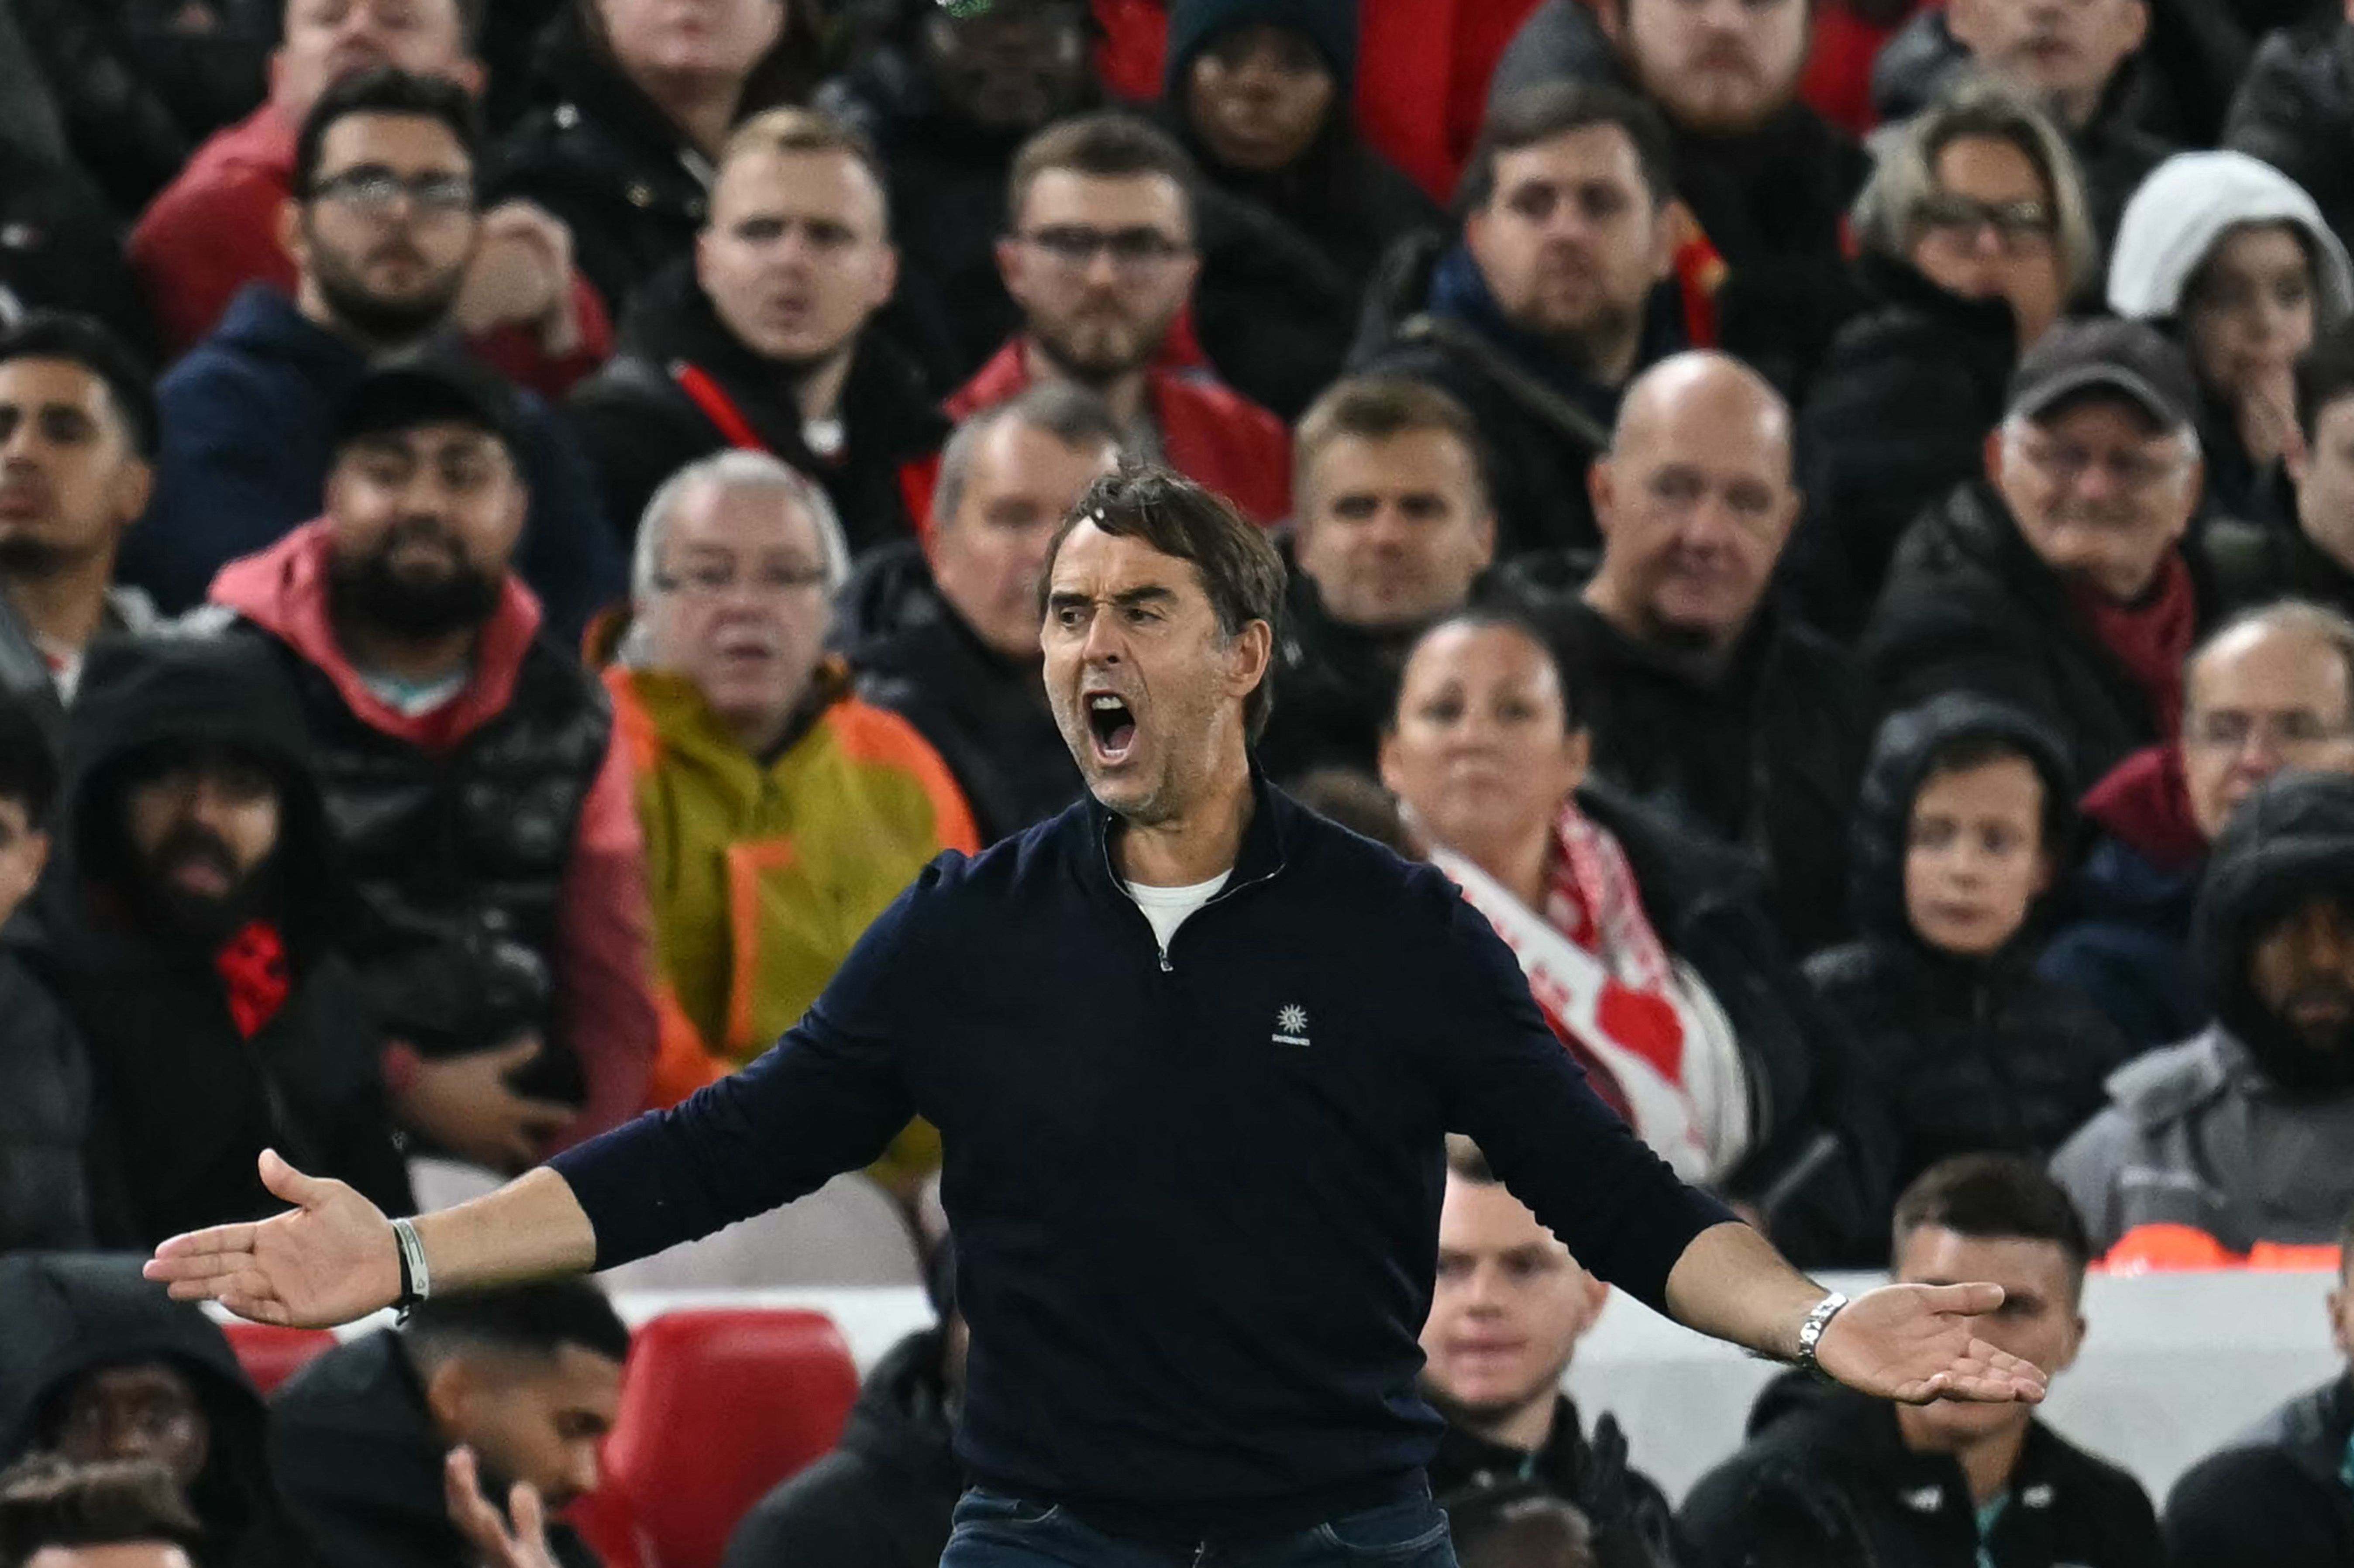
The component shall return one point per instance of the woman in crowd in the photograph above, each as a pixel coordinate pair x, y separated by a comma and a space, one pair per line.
2232, 256
1974, 238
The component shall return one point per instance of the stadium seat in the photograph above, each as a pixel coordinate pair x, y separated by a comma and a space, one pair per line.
270, 1354
2287, 1259
772, 1388
2165, 1249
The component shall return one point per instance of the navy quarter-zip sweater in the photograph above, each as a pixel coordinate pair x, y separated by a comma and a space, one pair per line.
1196, 1196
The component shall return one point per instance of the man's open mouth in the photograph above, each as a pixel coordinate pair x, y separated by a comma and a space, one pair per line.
1112, 723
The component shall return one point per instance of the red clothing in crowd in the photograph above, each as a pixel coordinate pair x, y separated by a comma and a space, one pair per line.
2150, 639
215, 230
2144, 804
1209, 432
601, 965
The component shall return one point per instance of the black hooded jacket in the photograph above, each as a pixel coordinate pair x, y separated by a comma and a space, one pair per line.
1955, 1055
985, 714
1633, 1526
884, 1497
1826, 1481
47, 1118
185, 1101
2279, 1495
2291, 840
356, 1453
71, 1314
638, 424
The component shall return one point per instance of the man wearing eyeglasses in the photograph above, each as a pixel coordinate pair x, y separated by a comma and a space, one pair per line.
1099, 257
473, 775
383, 227
2272, 688
2058, 582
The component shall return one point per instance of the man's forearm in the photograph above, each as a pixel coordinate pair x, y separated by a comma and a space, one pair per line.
529, 1229
1731, 1284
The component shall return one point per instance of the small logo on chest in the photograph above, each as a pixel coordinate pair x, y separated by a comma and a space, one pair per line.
1290, 1027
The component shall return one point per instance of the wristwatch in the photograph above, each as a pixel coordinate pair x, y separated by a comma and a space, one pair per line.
415, 1281
1810, 1332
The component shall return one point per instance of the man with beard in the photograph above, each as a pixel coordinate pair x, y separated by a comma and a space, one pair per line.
364, 1440
1099, 255
1509, 1310
762, 341
382, 227
191, 939
2057, 583
2242, 1131
77, 438
473, 770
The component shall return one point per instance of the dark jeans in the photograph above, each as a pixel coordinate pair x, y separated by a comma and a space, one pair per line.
997, 1532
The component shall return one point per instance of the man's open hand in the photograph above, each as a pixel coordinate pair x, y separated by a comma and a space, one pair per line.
1919, 1342
329, 1260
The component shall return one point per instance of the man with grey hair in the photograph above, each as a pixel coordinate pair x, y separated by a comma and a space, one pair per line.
781, 813
945, 633
2058, 581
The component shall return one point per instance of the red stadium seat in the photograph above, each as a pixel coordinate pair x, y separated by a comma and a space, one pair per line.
270, 1354
2166, 1249
2281, 1255
718, 1407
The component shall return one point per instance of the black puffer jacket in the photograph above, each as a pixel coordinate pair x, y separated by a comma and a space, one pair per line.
1633, 1526
2278, 1496
884, 1497
1897, 418
1826, 1481
46, 1117
639, 426
1955, 1055
1968, 606
69, 1315
2296, 112
986, 714
185, 1099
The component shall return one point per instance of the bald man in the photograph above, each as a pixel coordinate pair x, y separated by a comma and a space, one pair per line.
1711, 706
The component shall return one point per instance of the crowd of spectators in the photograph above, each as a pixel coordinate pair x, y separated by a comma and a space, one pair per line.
520, 530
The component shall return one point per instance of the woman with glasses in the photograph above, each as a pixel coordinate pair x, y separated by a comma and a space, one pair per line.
2232, 258
1974, 236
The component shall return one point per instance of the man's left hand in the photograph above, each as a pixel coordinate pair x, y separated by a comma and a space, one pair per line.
522, 276
1915, 1343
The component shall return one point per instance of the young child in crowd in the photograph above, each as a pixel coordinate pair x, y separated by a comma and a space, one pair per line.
1958, 1047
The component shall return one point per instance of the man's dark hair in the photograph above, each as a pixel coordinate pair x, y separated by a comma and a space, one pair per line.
1106, 145
1240, 569
536, 1319
1075, 416
2324, 375
1994, 1197
1567, 658
48, 1502
28, 761
1978, 747
82, 340
1553, 108
1379, 408
385, 90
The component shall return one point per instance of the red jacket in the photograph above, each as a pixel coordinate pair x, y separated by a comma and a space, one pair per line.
215, 230
602, 996
1209, 432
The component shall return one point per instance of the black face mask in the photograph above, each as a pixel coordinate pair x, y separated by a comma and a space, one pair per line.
370, 590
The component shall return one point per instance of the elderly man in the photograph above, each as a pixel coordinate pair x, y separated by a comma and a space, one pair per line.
1393, 530
2057, 583
2272, 688
781, 814
1711, 704
945, 633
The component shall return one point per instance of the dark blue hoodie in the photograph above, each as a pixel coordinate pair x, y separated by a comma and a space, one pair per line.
247, 422
1195, 1197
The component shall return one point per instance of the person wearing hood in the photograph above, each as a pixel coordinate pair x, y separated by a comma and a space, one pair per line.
765, 339
1963, 831
2271, 688
1296, 211
2058, 582
1826, 1477
945, 632
193, 934
99, 1364
387, 218
2234, 260
631, 104
2242, 1130
1393, 531
527, 1379
883, 1498
1974, 236
2283, 1493
2082, 61
1556, 294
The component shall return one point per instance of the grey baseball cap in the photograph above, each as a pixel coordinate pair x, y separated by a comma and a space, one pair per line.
2132, 359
